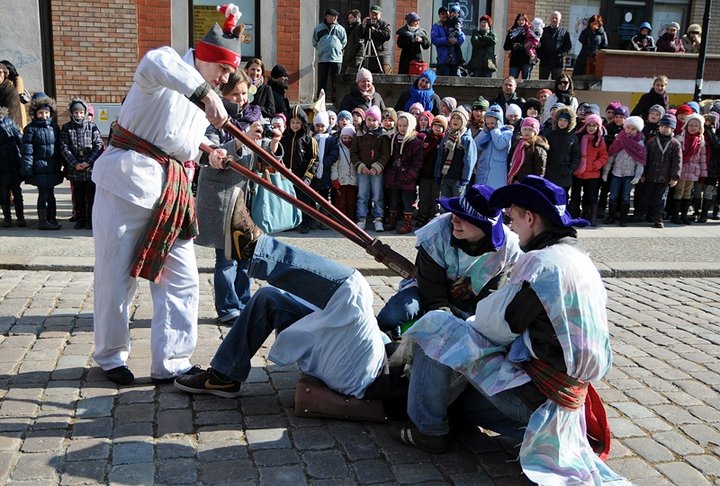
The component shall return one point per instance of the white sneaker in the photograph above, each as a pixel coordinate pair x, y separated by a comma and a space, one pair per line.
378, 225
361, 224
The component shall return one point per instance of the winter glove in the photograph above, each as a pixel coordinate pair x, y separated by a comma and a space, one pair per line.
462, 182
635, 180
336, 184
604, 178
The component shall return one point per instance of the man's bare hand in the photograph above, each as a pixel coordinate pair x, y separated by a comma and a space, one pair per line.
214, 109
217, 158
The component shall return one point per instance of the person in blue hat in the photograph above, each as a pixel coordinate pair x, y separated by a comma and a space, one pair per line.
527, 358
420, 91
463, 255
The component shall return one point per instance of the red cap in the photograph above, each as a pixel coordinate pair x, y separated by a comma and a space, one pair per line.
213, 53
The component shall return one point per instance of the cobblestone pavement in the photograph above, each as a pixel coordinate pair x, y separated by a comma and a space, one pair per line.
62, 423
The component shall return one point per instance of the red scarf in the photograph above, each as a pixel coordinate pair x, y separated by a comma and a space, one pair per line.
633, 146
584, 144
691, 145
518, 159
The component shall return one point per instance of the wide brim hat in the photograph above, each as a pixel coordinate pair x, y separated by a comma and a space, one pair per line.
475, 207
540, 196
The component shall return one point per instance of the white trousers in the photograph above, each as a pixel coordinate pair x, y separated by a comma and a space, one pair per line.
119, 228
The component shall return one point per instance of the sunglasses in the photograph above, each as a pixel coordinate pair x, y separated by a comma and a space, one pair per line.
563, 82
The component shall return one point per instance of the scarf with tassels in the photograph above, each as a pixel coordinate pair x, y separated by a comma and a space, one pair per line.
452, 142
633, 146
174, 212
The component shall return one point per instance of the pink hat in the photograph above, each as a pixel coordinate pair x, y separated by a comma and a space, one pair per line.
531, 122
373, 112
593, 118
613, 105
417, 106
363, 74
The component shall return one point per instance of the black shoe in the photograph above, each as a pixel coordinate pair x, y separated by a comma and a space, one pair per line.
120, 375
21, 223
72, 219
192, 371
79, 225
303, 229
7, 223
210, 382
436, 444
88, 225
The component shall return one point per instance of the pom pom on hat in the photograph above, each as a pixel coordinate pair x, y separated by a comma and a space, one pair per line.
363, 74
531, 122
634, 121
219, 47
513, 109
373, 112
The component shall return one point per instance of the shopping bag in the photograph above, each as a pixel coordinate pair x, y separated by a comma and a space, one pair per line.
416, 68
271, 213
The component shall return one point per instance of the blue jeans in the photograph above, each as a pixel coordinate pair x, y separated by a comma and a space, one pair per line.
434, 386
525, 69
401, 308
289, 270
370, 187
232, 286
620, 186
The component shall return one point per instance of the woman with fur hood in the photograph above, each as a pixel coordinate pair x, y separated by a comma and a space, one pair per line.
41, 164
529, 154
564, 153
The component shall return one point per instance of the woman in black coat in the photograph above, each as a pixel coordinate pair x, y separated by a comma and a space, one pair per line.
593, 38
656, 96
412, 39
515, 43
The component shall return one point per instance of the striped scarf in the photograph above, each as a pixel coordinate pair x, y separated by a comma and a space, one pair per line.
174, 213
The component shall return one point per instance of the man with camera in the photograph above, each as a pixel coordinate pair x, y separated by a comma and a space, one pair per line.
376, 33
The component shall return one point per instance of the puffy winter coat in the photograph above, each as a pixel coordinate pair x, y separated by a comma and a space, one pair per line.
661, 167
439, 37
564, 153
329, 40
411, 50
370, 150
595, 160
41, 164
10, 140
535, 159
403, 169
693, 167
493, 147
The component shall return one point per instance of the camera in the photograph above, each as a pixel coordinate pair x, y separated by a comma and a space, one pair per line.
268, 130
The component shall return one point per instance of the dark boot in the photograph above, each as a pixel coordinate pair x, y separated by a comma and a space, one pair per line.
391, 222
716, 210
241, 233
52, 213
684, 208
593, 215
624, 208
20, 213
696, 205
611, 215
406, 226
706, 205
674, 211
44, 224
658, 222
7, 215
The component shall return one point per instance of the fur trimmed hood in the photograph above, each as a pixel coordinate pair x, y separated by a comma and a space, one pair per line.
568, 111
4, 112
40, 102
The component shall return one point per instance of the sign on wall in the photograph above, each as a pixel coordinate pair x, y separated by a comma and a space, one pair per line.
205, 14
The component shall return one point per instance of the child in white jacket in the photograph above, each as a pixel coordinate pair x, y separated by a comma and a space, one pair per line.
344, 176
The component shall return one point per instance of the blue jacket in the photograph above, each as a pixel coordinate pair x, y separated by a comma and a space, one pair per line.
330, 156
493, 146
467, 151
10, 139
329, 40
41, 164
438, 35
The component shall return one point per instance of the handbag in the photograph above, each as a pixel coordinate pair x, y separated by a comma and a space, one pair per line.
271, 213
416, 68
314, 399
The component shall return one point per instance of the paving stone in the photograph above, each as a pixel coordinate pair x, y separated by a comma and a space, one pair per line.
268, 439
7, 462
634, 410
228, 472
707, 465
416, 473
633, 468
653, 424
174, 422
176, 471
275, 457
276, 421
624, 428
282, 476
172, 447
133, 432
94, 407
132, 474
91, 428
681, 473
82, 472
678, 443
312, 438
325, 464
10, 442
221, 451
87, 449
649, 450
45, 441
136, 412
702, 434
132, 453
260, 405
36, 466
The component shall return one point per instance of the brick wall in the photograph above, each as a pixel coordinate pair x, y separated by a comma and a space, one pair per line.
696, 17
154, 30
288, 41
402, 8
95, 50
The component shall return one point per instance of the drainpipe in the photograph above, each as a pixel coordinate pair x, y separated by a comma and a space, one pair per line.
701, 57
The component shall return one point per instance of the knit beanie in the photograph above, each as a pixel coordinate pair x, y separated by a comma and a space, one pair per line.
279, 117
450, 102
219, 47
373, 112
543, 91
658, 109
613, 105
390, 113
531, 122
513, 109
684, 110
77, 104
278, 71
462, 113
440, 120
697, 117
90, 110
430, 76
322, 118
622, 111
344, 115
481, 104
593, 118
673, 24
430, 117
592, 108
564, 115
634, 121
360, 112
496, 112
416, 106
348, 130
694, 105
668, 120
363, 74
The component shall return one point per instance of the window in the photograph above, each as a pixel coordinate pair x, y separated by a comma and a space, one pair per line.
669, 11
203, 14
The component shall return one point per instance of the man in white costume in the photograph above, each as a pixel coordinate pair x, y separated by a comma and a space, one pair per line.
144, 217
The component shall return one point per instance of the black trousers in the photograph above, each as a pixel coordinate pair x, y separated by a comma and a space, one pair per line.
84, 195
327, 73
548, 72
